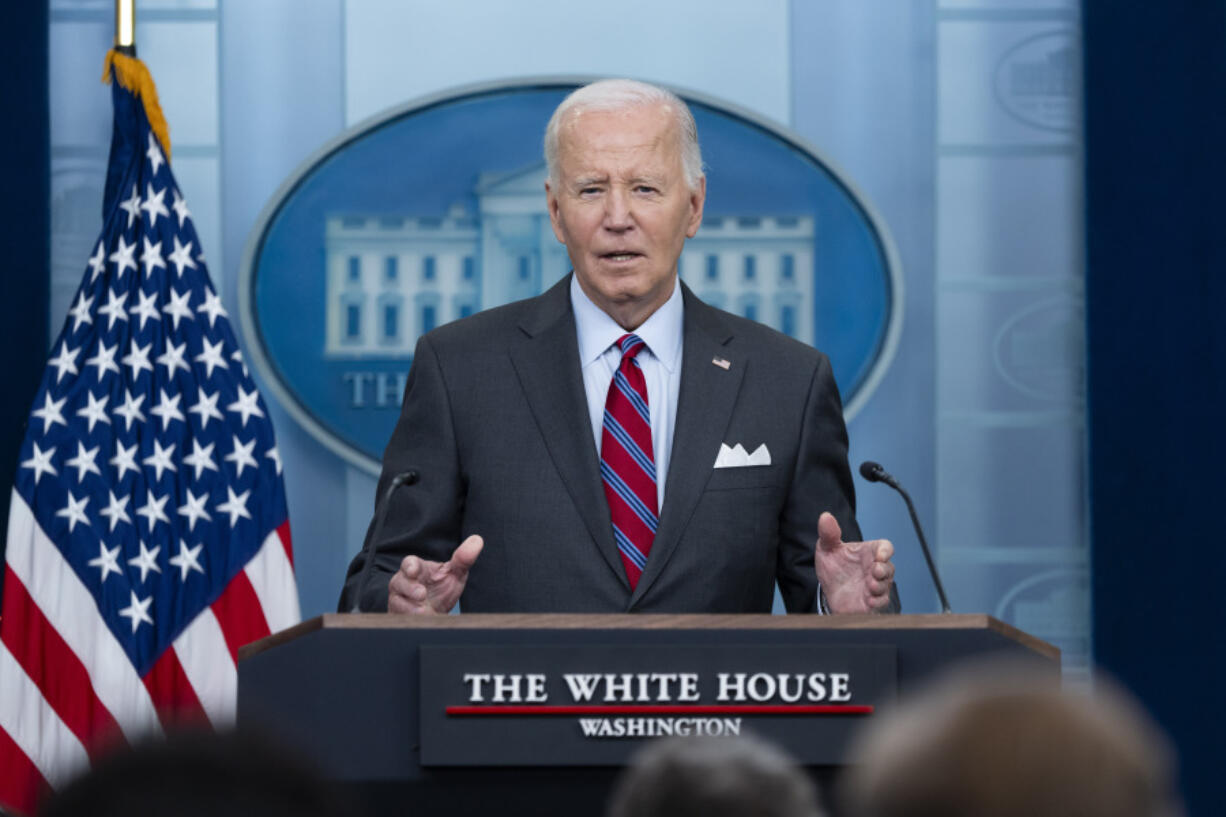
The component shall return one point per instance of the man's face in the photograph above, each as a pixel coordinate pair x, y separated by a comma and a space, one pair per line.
622, 207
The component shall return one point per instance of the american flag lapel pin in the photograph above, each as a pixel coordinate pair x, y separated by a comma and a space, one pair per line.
720, 362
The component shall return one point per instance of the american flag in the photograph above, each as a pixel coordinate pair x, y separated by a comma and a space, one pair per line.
148, 534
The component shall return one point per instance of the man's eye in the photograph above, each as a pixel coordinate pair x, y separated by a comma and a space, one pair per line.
645, 188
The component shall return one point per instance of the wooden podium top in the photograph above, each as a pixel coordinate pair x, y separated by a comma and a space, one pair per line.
627, 621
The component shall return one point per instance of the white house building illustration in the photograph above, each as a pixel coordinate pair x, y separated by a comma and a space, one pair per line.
391, 279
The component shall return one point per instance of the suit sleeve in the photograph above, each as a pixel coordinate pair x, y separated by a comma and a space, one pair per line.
423, 519
820, 482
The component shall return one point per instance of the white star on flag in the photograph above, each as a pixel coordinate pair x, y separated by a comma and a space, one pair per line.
40, 462
104, 359
84, 462
172, 358
146, 561
50, 412
235, 506
64, 363
151, 258
212, 307
130, 410
155, 154
97, 262
95, 412
123, 257
246, 405
193, 509
201, 458
153, 509
138, 611
153, 204
137, 358
178, 307
241, 456
182, 257
206, 406
124, 459
167, 409
131, 206
187, 560
161, 459
74, 511
180, 208
80, 311
107, 562
116, 510
115, 308
211, 357
147, 308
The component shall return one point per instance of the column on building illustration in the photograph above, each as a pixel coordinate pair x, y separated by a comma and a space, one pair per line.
760, 267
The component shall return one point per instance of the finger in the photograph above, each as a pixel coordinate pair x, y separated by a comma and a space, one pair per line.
885, 549
466, 554
829, 534
882, 571
410, 566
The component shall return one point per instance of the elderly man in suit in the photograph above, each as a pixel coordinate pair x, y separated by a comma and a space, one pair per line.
615, 444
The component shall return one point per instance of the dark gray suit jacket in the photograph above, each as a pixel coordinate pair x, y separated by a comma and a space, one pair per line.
496, 421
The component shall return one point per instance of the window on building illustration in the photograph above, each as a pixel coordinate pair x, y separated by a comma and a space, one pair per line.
353, 321
751, 310
787, 320
470, 268
428, 268
712, 267
391, 268
751, 267
429, 318
466, 310
355, 268
391, 321
787, 267
525, 268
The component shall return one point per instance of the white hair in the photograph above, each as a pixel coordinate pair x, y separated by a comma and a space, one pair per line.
618, 95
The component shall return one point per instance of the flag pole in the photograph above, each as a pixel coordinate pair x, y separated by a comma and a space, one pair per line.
125, 27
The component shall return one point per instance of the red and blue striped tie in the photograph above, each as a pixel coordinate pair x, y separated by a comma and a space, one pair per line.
627, 465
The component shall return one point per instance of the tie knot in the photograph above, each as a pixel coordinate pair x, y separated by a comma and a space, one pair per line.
631, 344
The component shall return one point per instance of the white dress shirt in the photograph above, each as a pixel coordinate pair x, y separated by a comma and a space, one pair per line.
599, 357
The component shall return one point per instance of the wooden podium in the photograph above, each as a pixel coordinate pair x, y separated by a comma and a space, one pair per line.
347, 691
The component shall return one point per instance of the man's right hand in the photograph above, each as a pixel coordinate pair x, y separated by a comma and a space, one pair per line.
425, 587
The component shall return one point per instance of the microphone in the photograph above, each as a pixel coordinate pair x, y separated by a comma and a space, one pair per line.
409, 477
873, 472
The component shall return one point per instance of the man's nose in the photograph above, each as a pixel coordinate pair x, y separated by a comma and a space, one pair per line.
618, 215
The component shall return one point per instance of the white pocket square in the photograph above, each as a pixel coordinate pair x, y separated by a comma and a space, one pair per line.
737, 457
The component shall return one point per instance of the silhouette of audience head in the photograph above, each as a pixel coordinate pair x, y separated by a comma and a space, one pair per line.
1002, 741
713, 777
197, 774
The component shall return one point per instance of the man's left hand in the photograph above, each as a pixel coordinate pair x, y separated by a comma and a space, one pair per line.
855, 576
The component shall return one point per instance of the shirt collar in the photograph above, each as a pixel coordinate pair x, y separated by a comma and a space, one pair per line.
597, 331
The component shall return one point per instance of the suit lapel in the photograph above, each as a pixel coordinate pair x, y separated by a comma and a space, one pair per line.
704, 408
547, 364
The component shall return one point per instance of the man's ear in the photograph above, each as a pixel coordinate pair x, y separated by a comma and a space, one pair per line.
555, 213
698, 198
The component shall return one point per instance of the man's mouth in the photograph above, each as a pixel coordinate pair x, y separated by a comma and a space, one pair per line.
621, 256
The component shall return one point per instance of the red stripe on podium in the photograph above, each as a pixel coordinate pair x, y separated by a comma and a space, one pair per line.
660, 709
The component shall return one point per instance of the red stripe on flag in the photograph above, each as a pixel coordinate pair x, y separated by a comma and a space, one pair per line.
283, 535
55, 668
22, 786
173, 695
240, 614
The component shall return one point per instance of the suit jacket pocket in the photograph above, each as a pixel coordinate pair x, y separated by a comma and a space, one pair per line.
749, 476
